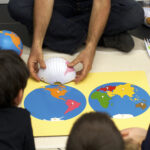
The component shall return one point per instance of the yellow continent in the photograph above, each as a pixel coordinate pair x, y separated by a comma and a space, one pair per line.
122, 90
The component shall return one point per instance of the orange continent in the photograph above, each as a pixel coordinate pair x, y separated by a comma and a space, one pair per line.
15, 40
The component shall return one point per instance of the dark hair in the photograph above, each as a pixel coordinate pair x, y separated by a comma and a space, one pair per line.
13, 77
95, 131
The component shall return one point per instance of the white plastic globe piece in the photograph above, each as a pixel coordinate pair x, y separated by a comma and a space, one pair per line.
56, 71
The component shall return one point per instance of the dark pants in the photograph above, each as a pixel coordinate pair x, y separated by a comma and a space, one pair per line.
68, 27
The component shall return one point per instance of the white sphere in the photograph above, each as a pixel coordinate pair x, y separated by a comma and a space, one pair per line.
57, 71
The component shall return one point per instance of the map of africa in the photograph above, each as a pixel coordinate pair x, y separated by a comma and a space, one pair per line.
120, 100
55, 102
9, 40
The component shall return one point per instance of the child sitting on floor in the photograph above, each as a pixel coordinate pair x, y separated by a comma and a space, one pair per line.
95, 131
15, 124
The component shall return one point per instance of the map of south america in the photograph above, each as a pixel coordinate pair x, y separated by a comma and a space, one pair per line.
55, 102
60, 91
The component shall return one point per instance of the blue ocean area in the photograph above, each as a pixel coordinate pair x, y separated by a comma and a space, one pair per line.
122, 105
42, 105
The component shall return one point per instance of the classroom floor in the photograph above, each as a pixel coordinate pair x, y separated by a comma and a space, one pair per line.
106, 60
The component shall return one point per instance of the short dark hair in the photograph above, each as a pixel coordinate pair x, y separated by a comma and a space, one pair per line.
95, 131
13, 77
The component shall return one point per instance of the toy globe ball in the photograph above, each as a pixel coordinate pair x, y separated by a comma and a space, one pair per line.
10, 41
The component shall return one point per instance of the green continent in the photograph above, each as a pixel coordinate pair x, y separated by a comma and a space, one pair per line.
103, 98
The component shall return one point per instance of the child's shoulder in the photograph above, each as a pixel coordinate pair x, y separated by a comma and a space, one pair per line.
22, 111
23, 114
15, 112
14, 118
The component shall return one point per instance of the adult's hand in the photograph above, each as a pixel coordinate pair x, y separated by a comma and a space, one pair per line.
99, 16
41, 18
86, 58
35, 61
136, 134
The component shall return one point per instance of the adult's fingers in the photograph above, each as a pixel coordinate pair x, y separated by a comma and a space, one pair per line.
81, 75
33, 70
74, 62
42, 64
124, 133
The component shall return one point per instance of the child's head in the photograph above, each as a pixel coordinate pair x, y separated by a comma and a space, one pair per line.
13, 77
95, 131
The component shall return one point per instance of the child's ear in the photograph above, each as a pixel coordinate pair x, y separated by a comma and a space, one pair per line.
18, 99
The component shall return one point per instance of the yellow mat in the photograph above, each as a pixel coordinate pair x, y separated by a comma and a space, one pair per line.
113, 86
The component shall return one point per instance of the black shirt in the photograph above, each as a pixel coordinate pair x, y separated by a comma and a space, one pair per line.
146, 142
15, 129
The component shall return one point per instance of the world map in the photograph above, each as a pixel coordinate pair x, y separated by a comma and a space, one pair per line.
120, 100
55, 102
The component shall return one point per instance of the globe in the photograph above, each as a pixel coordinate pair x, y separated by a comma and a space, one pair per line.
120, 100
55, 102
10, 41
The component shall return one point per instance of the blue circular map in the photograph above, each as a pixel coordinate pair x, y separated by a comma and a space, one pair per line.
120, 100
55, 102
